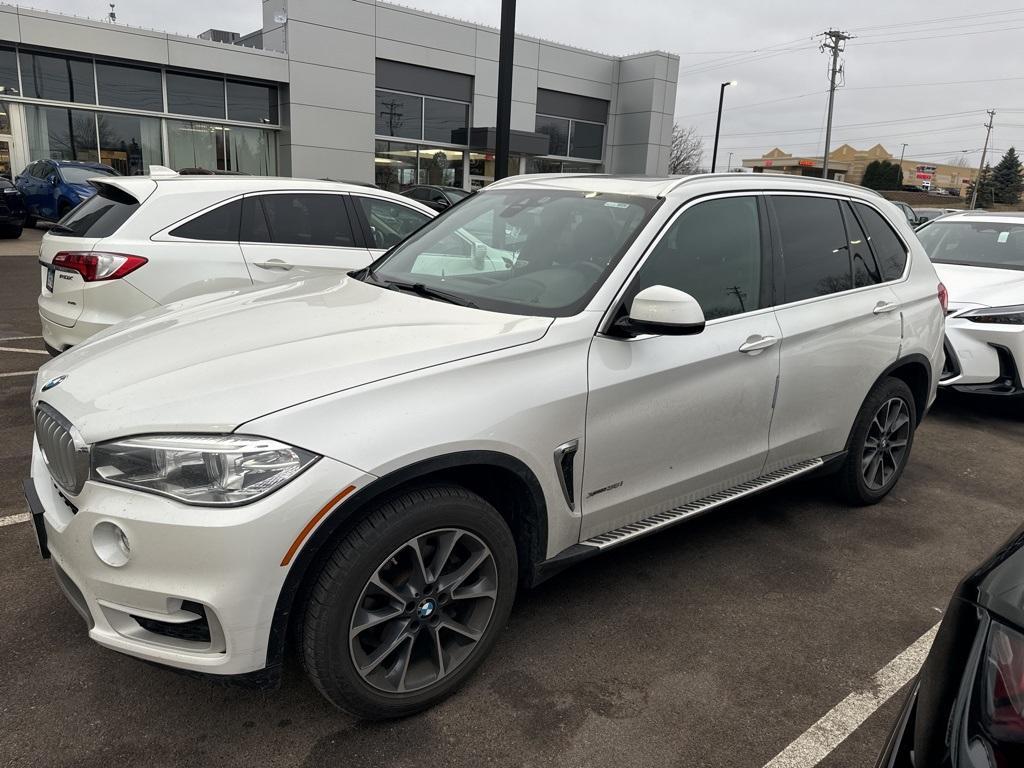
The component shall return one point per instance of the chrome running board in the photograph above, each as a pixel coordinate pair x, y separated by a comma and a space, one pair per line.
678, 514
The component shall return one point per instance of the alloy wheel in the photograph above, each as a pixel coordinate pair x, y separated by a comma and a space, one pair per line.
885, 445
423, 611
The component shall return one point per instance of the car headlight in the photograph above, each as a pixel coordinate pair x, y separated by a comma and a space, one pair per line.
210, 470
1003, 315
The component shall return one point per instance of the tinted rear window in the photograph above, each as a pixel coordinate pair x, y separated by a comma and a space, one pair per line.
99, 216
888, 248
219, 224
815, 250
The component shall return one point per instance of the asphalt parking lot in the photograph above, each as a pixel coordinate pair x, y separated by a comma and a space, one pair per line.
716, 643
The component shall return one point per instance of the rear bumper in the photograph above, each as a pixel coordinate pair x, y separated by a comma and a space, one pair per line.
60, 337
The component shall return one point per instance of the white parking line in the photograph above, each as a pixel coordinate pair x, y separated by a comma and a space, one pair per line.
29, 351
814, 745
12, 519
18, 373
19, 338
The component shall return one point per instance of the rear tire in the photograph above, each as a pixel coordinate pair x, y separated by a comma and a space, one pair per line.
30, 221
10, 232
410, 603
880, 443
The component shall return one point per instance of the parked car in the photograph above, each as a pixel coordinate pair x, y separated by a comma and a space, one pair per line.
437, 197
145, 241
966, 707
51, 188
980, 259
912, 216
12, 210
377, 459
924, 215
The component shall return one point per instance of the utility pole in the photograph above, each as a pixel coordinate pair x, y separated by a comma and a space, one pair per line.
834, 44
904, 149
981, 165
506, 47
728, 166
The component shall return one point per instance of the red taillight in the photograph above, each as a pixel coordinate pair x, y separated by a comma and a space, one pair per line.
1003, 696
98, 265
943, 295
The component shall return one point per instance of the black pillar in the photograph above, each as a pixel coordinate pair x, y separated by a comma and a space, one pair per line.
506, 50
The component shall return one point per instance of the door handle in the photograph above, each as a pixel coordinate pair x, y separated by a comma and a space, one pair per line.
273, 264
755, 344
885, 306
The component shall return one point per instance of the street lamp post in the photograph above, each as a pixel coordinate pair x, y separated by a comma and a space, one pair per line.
718, 124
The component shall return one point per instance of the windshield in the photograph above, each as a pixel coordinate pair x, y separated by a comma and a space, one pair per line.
529, 252
456, 194
76, 174
978, 243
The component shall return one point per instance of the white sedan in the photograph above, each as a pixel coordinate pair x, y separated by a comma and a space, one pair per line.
148, 241
980, 258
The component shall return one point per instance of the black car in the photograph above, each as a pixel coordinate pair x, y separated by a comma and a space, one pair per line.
437, 197
966, 708
12, 210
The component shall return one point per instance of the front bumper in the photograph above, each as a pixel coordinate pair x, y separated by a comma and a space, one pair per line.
984, 358
201, 584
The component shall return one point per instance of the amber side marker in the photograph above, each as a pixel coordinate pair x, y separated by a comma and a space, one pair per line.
312, 524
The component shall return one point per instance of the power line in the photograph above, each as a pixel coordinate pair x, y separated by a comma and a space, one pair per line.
921, 118
938, 37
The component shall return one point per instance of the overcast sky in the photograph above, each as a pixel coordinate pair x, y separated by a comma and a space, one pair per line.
905, 71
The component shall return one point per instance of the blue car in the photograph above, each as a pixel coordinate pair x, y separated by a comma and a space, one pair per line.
51, 188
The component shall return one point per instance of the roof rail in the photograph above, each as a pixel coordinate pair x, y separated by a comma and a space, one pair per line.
788, 180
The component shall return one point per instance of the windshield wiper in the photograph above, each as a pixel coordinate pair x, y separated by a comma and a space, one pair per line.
427, 292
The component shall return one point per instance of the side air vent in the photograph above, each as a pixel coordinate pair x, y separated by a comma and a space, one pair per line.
565, 456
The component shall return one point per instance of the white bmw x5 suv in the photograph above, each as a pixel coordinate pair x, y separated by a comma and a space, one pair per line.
147, 241
369, 464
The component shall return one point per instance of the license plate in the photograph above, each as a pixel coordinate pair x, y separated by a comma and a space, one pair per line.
49, 278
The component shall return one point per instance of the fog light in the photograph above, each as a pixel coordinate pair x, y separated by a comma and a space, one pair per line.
111, 544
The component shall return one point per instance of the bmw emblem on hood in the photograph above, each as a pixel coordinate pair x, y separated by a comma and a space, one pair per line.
53, 383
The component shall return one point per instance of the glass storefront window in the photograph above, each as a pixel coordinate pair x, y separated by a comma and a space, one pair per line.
252, 103
61, 134
192, 95
5, 117
549, 165
445, 121
440, 166
587, 140
128, 143
221, 148
131, 87
9, 72
399, 114
57, 78
557, 131
394, 165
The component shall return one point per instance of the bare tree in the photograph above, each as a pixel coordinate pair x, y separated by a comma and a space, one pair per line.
686, 151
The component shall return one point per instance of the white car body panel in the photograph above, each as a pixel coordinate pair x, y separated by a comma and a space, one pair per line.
376, 381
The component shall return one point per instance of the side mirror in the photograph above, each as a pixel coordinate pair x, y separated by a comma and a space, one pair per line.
442, 203
663, 311
54, 181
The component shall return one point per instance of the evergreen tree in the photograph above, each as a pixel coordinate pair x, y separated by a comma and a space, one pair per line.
881, 174
986, 189
1007, 182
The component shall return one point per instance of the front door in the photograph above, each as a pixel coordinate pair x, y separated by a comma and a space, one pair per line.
289, 234
671, 419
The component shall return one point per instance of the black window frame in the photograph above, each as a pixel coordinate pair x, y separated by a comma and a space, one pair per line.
356, 210
767, 293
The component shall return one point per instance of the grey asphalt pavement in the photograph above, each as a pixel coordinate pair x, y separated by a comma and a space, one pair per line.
715, 643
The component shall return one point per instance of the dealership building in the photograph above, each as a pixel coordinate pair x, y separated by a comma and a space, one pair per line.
344, 89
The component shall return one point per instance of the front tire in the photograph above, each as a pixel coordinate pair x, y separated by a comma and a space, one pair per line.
880, 444
410, 602
10, 232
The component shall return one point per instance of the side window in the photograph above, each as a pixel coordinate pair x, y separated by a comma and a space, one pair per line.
888, 248
253, 228
220, 224
390, 223
308, 219
865, 270
815, 252
713, 252
420, 193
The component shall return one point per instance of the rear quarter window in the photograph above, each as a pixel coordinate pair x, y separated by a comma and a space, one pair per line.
99, 216
220, 224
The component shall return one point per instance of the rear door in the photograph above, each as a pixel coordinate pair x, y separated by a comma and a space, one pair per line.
841, 325
285, 234
385, 222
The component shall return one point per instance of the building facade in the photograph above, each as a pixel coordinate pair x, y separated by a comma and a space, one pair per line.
356, 90
846, 163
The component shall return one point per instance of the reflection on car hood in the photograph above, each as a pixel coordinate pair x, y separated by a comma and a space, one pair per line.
984, 286
210, 365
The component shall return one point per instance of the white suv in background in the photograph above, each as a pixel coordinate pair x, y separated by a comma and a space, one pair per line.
369, 464
146, 241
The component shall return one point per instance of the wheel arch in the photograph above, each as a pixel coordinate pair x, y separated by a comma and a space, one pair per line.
914, 370
504, 481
